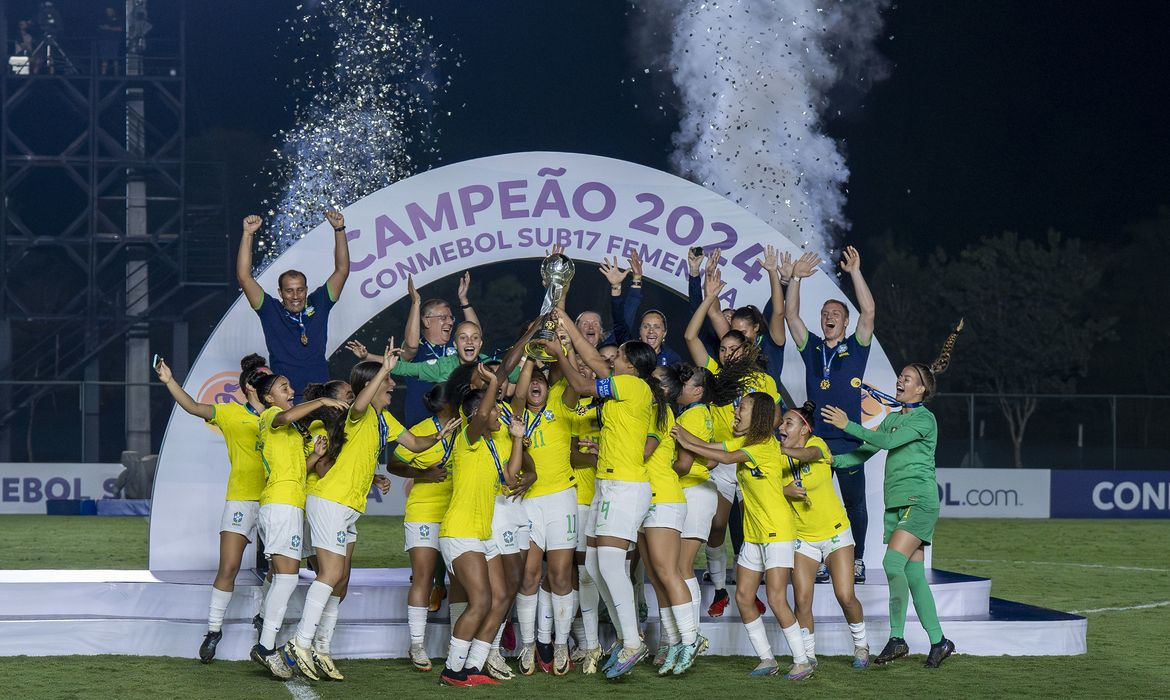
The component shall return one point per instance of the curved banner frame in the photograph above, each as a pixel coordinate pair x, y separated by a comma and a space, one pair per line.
457, 217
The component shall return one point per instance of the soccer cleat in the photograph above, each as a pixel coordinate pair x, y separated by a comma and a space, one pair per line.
939, 652
669, 657
438, 593
812, 660
207, 648
799, 672
860, 657
418, 657
686, 657
701, 645
823, 572
612, 655
272, 660
766, 668
527, 660
858, 571
578, 655
591, 661
719, 603
896, 648
455, 678
325, 664
561, 663
760, 606
660, 656
303, 658
497, 667
478, 677
626, 660
544, 656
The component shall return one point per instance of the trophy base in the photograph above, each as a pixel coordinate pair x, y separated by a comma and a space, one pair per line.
536, 351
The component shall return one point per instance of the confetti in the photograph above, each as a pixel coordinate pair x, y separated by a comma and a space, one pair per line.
357, 119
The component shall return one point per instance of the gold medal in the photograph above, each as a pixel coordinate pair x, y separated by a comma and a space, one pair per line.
855, 382
825, 385
304, 339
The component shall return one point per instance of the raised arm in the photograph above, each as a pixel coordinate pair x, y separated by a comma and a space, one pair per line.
617, 301
480, 422
413, 322
336, 281
709, 450
773, 263
205, 411
512, 357
633, 298
464, 304
520, 397
252, 290
362, 402
867, 309
719, 324
302, 410
698, 351
906, 434
583, 348
804, 267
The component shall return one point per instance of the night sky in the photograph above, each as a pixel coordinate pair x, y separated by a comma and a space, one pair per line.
995, 115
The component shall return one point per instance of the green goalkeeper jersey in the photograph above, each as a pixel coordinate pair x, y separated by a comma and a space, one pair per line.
910, 438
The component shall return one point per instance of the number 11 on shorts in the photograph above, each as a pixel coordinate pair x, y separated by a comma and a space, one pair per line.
572, 523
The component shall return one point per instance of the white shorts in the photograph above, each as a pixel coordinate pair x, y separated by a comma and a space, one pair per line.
770, 555
553, 518
620, 507
702, 500
511, 528
723, 476
333, 525
240, 517
422, 535
821, 549
454, 547
583, 528
281, 528
670, 515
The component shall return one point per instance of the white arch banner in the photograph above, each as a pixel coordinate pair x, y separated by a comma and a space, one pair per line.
460, 216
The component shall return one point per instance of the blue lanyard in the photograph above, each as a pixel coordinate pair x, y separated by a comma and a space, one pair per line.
299, 319
690, 406
827, 358
886, 400
795, 471
530, 428
505, 414
491, 445
383, 434
448, 443
252, 410
434, 354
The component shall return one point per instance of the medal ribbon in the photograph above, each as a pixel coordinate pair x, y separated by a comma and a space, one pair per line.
383, 434
299, 319
827, 358
491, 445
448, 443
886, 400
529, 429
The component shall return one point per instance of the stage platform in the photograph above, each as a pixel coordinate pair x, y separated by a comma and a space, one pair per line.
163, 613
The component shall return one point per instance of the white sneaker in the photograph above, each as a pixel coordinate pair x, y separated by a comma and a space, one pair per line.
418, 657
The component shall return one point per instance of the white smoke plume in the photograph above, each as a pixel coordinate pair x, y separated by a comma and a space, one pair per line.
752, 79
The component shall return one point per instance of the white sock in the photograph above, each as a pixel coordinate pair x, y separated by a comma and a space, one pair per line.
275, 604
499, 635
795, 644
611, 561
590, 599
323, 641
454, 610
717, 566
544, 616
564, 608
478, 654
684, 619
457, 654
857, 629
809, 639
526, 617
217, 609
315, 601
593, 561
759, 639
264, 588
669, 628
578, 632
696, 598
416, 618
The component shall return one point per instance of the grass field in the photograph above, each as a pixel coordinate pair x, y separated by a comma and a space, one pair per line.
1104, 568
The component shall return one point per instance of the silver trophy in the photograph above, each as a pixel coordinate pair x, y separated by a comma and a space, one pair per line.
555, 272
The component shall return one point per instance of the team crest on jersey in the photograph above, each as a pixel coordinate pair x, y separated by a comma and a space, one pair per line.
509, 537
796, 545
432, 362
296, 541
424, 531
548, 415
341, 537
309, 310
805, 469
237, 518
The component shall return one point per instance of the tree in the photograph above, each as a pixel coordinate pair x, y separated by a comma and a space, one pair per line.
899, 282
1030, 328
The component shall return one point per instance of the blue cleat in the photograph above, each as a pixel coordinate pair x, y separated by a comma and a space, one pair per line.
626, 660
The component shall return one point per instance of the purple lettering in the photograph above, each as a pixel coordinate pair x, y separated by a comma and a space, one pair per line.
56, 489
365, 262
386, 232
448, 250
470, 208
428, 259
32, 490
367, 289
608, 201
508, 199
10, 489
551, 197
422, 222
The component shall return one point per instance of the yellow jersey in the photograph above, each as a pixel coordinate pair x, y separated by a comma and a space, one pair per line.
282, 450
824, 515
696, 419
428, 501
766, 517
348, 481
626, 418
550, 435
240, 426
585, 426
664, 482
724, 416
475, 480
